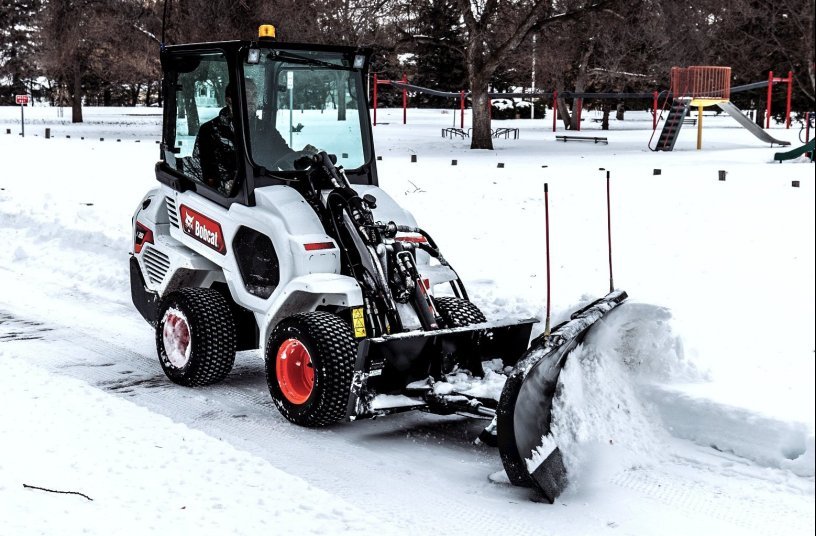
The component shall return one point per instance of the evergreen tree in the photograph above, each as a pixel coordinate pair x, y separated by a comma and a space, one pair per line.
439, 56
17, 47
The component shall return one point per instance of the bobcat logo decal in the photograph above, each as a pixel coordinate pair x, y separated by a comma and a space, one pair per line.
203, 229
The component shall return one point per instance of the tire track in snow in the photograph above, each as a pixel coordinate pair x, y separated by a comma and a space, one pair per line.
743, 502
245, 416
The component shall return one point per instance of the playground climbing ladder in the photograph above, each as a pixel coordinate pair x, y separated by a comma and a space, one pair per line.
674, 122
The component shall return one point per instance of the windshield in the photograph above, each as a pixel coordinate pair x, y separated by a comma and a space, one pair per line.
302, 102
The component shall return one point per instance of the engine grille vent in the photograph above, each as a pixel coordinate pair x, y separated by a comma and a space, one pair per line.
157, 264
172, 211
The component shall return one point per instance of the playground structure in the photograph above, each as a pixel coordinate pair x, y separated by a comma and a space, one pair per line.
704, 86
806, 149
701, 86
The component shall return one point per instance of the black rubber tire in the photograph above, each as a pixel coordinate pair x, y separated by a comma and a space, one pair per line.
333, 353
212, 336
457, 312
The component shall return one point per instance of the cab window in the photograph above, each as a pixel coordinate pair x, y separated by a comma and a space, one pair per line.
203, 141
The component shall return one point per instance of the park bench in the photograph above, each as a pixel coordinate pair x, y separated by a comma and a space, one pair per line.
596, 139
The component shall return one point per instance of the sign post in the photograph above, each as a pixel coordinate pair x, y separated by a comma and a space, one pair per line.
22, 100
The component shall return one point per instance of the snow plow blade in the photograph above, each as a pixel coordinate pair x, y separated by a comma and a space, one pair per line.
523, 417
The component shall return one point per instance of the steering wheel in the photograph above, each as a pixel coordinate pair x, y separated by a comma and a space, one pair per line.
287, 161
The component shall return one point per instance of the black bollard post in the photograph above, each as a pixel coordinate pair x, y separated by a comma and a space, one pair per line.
413, 158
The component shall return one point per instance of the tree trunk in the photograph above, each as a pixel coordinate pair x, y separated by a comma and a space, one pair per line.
191, 111
564, 113
605, 120
619, 111
481, 138
342, 80
580, 86
760, 116
135, 89
76, 98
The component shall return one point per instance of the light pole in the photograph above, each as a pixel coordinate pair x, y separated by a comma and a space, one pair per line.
532, 101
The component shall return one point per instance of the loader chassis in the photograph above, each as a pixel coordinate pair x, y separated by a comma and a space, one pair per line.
309, 232
268, 230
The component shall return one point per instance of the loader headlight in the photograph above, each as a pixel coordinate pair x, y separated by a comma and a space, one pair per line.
359, 61
254, 56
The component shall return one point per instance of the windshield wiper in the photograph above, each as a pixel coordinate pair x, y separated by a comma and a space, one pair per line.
304, 60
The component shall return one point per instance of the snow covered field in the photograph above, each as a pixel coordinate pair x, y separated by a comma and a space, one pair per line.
691, 411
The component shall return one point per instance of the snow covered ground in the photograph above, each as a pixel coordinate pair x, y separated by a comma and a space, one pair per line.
690, 411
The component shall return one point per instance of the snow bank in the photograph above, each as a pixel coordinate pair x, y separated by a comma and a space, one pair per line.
618, 402
767, 441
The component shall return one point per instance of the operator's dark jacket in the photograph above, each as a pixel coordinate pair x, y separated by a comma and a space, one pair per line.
214, 159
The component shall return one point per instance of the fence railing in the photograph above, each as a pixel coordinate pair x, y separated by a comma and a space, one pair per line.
701, 82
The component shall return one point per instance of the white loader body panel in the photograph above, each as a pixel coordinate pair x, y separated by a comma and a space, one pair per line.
193, 246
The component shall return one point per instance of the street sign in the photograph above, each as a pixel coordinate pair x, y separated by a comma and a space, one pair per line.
22, 100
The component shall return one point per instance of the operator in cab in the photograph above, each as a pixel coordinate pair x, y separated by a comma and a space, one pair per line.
214, 157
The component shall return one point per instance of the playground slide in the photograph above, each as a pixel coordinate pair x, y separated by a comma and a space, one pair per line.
752, 127
796, 153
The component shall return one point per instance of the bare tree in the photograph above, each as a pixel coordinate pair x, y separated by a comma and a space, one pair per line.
756, 36
494, 30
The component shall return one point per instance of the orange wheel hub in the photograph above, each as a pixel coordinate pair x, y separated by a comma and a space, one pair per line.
294, 370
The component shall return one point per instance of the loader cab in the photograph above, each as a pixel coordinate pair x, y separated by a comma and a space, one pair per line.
243, 111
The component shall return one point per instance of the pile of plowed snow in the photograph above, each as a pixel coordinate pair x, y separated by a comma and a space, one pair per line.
621, 398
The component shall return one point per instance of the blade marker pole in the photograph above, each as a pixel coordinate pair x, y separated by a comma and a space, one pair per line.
609, 232
547, 242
